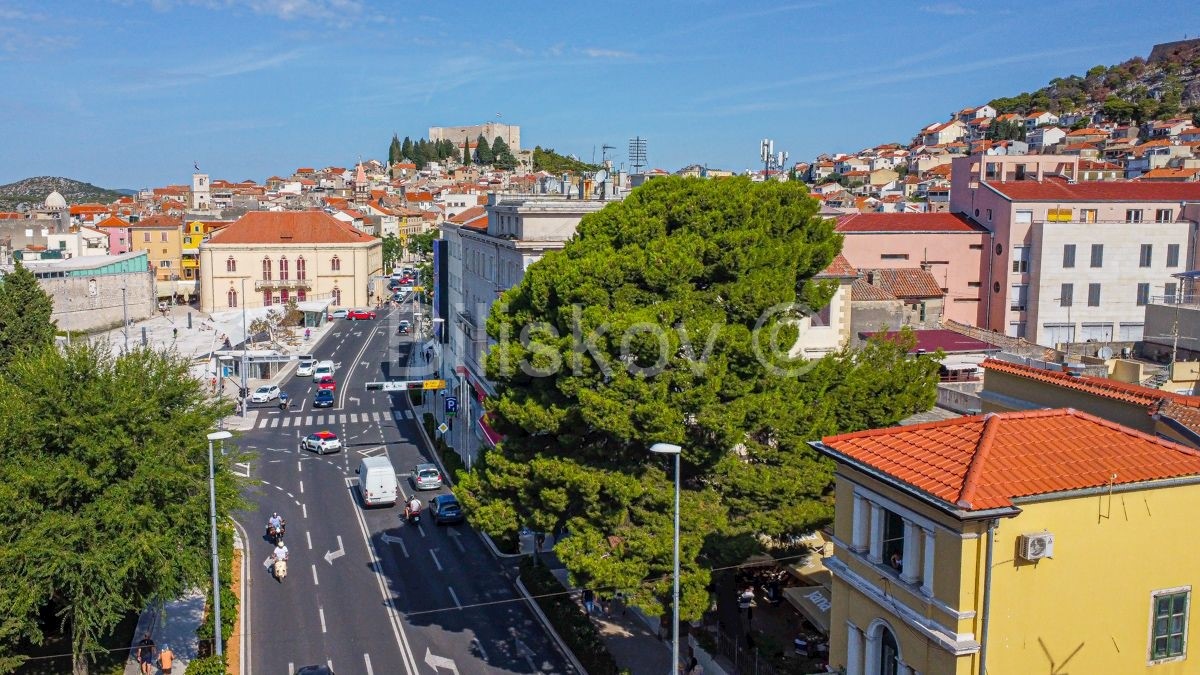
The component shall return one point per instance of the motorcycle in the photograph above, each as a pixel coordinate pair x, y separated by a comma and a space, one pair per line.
276, 534
412, 516
284, 402
279, 569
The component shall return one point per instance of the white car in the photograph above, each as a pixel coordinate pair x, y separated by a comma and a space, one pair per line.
322, 442
265, 394
336, 314
304, 368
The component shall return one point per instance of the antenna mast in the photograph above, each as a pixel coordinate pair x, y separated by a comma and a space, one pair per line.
637, 153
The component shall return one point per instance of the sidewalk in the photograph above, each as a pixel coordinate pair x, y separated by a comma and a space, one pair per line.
175, 626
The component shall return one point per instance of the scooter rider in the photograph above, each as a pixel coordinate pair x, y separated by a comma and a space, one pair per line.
281, 552
275, 525
412, 508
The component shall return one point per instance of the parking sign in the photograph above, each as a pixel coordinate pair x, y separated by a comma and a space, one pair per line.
451, 404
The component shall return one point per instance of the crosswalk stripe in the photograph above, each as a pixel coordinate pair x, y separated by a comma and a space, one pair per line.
408, 414
262, 424
375, 417
308, 421
398, 415
341, 419
287, 422
274, 422
353, 418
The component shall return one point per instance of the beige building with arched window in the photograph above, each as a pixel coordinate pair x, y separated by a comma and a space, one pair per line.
268, 258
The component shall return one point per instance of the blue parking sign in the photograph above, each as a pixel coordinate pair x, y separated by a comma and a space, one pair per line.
451, 404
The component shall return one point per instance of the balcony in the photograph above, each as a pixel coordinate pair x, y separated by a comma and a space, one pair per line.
264, 284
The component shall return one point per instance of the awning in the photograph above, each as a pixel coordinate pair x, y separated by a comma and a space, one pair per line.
812, 602
314, 305
812, 570
489, 434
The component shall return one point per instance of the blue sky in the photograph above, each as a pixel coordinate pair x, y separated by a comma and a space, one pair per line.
128, 93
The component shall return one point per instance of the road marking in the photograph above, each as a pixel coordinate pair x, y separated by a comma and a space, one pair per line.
356, 400
330, 556
437, 563
353, 418
315, 582
329, 662
301, 487
455, 597
304, 509
292, 496
479, 647
299, 466
291, 667
242, 469
456, 538
308, 538
367, 661
410, 663
436, 662
274, 422
308, 420
341, 419
321, 611
389, 539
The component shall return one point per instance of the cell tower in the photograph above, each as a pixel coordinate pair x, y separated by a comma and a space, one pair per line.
637, 153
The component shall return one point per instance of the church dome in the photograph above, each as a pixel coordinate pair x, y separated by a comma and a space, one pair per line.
55, 201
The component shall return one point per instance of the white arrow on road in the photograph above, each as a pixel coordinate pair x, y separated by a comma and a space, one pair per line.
436, 662
454, 537
355, 400
330, 556
389, 539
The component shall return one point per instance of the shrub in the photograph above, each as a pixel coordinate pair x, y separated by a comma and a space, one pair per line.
575, 628
209, 665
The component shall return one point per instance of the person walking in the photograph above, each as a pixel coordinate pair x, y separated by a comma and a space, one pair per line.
166, 659
589, 601
145, 653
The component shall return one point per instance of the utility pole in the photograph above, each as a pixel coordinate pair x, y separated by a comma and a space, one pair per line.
245, 344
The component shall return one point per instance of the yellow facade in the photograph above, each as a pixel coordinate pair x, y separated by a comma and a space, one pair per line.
163, 247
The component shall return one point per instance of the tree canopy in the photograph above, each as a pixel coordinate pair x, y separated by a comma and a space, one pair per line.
104, 478
669, 317
550, 161
483, 151
25, 311
422, 244
502, 156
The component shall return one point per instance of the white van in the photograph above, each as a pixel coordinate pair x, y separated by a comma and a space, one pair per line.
323, 368
305, 366
377, 482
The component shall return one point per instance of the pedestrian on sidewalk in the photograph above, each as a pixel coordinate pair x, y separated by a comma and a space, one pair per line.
589, 601
166, 659
145, 653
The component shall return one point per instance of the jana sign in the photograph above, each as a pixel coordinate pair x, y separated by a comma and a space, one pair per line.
451, 404
405, 385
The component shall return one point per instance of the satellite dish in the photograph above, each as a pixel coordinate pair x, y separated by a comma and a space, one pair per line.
1105, 353
600, 176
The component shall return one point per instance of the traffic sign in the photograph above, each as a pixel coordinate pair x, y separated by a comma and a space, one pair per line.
405, 385
443, 428
451, 404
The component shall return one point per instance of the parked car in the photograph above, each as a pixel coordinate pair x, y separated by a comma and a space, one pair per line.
336, 314
327, 383
426, 477
322, 442
323, 398
304, 368
445, 510
265, 394
360, 314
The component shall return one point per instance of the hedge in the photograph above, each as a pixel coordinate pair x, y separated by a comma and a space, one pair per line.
568, 619
229, 604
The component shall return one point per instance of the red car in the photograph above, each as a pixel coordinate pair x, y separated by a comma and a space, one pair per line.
357, 314
327, 382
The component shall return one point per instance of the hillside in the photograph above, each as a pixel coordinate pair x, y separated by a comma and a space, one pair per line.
546, 159
1165, 85
31, 192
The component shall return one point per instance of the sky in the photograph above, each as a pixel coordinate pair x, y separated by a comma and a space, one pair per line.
129, 93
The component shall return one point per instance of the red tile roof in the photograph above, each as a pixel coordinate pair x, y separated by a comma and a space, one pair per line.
861, 291
112, 221
1097, 386
158, 221
907, 222
1057, 190
931, 340
905, 282
468, 215
987, 461
839, 267
289, 227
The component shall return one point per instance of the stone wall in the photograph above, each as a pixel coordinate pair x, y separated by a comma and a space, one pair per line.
80, 306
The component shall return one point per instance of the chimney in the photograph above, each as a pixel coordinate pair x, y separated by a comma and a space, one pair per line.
871, 277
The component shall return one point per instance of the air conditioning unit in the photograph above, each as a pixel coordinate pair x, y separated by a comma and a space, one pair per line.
1037, 546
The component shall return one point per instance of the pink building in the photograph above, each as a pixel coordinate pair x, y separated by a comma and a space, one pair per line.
118, 234
1073, 261
949, 245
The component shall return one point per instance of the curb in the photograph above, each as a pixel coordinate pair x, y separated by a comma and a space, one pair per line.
537, 611
239, 541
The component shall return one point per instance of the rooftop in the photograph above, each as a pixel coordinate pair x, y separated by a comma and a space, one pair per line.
951, 342
908, 222
1097, 386
289, 227
1059, 190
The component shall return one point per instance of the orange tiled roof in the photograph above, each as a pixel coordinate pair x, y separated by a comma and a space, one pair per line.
112, 221
861, 291
11, 215
1097, 386
158, 221
289, 227
839, 267
987, 461
1168, 173
905, 282
468, 215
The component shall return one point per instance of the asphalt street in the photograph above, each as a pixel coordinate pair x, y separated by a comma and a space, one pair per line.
365, 592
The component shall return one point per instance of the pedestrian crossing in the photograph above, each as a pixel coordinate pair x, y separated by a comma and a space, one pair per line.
331, 419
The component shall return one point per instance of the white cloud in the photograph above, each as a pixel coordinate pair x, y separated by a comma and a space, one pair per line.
339, 11
607, 53
237, 64
947, 9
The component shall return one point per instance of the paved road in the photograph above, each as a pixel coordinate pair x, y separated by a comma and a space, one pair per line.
366, 593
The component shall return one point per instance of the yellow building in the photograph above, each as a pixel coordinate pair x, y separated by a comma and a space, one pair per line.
161, 237
195, 233
268, 258
1046, 541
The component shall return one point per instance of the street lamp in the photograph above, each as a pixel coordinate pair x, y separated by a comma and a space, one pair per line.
671, 449
1067, 301
212, 508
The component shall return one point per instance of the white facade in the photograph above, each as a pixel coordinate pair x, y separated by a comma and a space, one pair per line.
1045, 136
201, 199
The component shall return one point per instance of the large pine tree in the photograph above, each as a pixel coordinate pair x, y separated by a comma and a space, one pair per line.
25, 311
483, 152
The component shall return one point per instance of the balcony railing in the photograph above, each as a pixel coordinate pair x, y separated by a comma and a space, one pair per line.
264, 284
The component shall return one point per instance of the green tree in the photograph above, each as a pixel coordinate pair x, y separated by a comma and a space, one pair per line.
550, 161
669, 318
422, 244
1006, 131
104, 478
1096, 71
25, 311
406, 148
391, 251
1118, 109
483, 152
502, 156
466, 153
394, 153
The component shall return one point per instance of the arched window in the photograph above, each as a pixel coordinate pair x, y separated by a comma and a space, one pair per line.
267, 298
230, 264
231, 296
283, 268
283, 295
337, 294
266, 270
301, 296
335, 264
301, 271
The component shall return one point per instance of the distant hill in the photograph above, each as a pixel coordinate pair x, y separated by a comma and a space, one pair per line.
546, 159
1164, 86
32, 192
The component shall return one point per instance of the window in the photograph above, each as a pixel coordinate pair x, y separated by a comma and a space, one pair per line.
1020, 293
1146, 256
1097, 255
1087, 215
266, 270
231, 297
164, 237
336, 265
1131, 332
1164, 215
893, 539
301, 295
267, 298
893, 256
1020, 259
1143, 294
165, 263
283, 269
1068, 255
283, 296
976, 247
1133, 215
230, 264
1016, 329
1093, 295
1169, 612
1066, 296
1172, 255
337, 295
989, 215
146, 237
301, 272
973, 284
1169, 292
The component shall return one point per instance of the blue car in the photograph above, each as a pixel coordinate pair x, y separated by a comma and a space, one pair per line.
323, 398
445, 510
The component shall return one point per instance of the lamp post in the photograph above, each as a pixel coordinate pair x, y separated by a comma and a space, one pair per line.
671, 449
1068, 300
243, 391
212, 508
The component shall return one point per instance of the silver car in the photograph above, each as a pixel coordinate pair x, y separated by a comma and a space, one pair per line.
426, 477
